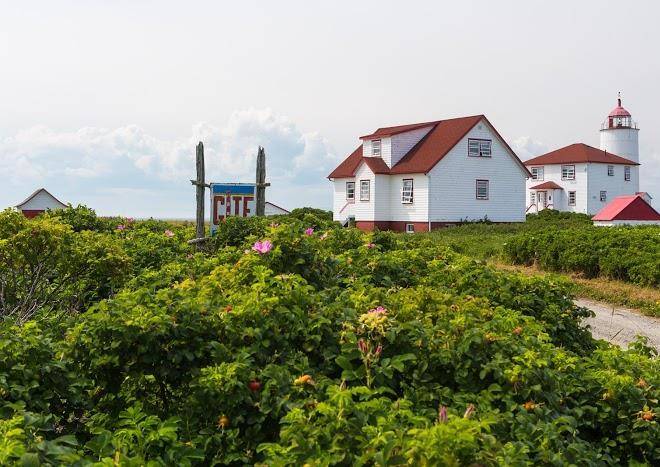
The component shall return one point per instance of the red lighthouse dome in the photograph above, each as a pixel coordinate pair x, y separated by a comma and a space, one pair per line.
618, 117
619, 111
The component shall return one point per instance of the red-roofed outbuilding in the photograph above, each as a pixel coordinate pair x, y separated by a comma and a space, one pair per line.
629, 209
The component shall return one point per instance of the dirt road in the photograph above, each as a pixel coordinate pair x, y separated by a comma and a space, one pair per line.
620, 325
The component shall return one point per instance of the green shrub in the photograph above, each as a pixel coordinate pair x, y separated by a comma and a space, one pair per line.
327, 346
46, 267
623, 253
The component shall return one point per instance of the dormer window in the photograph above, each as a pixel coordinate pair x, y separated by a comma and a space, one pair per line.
479, 147
375, 148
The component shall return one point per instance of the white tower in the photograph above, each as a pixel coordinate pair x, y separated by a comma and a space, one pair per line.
618, 134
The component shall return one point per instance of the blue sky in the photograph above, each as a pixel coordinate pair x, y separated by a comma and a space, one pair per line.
103, 102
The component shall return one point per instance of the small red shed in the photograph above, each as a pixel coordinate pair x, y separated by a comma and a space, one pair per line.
630, 210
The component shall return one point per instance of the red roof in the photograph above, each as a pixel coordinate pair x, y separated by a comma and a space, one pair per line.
578, 152
377, 165
627, 208
547, 186
619, 111
347, 168
443, 136
394, 130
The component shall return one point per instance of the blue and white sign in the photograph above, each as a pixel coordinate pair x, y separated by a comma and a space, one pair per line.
232, 199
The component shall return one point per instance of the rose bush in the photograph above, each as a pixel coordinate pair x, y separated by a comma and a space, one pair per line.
291, 347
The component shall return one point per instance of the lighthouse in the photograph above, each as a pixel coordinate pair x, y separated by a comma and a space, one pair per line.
619, 133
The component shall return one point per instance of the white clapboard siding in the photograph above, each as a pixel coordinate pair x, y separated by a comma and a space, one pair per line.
615, 185
342, 208
418, 210
404, 142
364, 210
453, 183
41, 200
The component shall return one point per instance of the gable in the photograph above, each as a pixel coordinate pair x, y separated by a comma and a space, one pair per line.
41, 200
628, 208
430, 149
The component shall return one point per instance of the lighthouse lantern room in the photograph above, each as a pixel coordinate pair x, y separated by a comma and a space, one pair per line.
619, 133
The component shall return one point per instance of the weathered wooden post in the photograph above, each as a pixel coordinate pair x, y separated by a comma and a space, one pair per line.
200, 184
261, 182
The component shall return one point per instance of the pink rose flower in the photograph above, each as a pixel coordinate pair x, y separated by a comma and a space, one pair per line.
169, 233
370, 245
442, 414
121, 227
379, 309
309, 231
262, 247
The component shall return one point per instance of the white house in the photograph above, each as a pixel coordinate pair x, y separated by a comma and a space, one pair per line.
581, 178
38, 202
427, 175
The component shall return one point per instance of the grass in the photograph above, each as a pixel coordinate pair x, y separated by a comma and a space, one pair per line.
644, 299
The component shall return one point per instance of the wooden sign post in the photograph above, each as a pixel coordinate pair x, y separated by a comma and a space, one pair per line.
261, 182
200, 184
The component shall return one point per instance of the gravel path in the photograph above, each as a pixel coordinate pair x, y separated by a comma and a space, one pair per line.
620, 325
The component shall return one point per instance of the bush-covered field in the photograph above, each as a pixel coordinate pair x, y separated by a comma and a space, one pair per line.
294, 342
623, 253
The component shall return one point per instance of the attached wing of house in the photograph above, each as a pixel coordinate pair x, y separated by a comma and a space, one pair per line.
417, 176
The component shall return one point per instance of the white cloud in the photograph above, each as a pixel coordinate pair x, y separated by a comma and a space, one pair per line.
128, 157
526, 147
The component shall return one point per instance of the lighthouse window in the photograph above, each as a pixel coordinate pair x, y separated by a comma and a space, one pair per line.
479, 147
603, 196
610, 170
626, 173
568, 172
571, 198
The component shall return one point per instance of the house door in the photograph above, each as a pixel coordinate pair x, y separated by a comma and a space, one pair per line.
542, 199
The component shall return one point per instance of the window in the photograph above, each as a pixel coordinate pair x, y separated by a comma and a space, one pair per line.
407, 191
568, 172
626, 173
479, 147
375, 147
410, 228
537, 173
482, 189
350, 190
365, 186
571, 198
603, 196
610, 171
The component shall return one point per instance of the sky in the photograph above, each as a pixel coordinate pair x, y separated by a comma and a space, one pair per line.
103, 102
